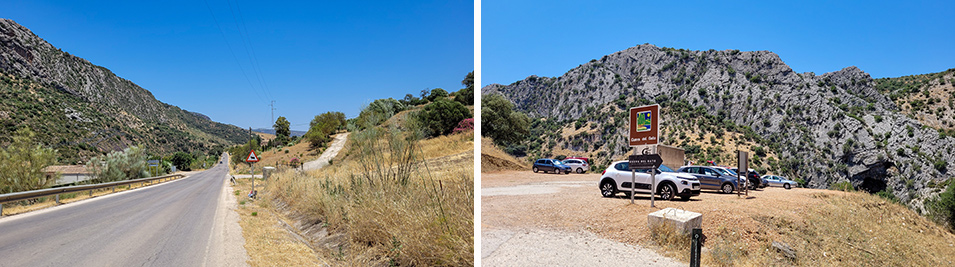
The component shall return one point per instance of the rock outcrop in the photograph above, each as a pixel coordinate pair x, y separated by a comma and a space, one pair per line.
827, 128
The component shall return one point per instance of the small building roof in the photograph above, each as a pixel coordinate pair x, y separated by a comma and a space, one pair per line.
67, 169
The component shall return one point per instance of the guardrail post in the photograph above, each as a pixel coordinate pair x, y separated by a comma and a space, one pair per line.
91, 192
1, 209
114, 189
58, 199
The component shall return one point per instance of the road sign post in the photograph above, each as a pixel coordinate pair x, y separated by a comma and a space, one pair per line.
252, 158
644, 131
743, 168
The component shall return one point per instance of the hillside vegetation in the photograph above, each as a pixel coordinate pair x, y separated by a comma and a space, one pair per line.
400, 192
83, 110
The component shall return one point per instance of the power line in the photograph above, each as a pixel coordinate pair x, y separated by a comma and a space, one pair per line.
250, 49
231, 51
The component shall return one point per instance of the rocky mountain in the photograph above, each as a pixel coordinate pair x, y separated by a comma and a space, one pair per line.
84, 110
822, 129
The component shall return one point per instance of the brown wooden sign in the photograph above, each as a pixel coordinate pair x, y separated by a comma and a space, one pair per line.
644, 125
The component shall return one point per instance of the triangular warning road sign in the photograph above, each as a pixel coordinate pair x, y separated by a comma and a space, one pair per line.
252, 157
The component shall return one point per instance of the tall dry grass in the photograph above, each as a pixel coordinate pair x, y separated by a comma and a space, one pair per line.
387, 200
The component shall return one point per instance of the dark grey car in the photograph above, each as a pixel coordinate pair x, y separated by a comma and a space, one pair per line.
710, 178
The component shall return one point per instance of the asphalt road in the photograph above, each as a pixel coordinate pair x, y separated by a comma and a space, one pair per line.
169, 224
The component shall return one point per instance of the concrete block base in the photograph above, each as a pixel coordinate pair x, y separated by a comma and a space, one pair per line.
680, 220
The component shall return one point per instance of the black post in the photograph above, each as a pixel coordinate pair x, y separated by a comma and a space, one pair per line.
695, 247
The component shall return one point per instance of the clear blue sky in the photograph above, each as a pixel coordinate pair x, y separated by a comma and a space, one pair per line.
309, 56
883, 38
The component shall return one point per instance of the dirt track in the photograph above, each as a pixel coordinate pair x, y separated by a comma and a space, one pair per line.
543, 209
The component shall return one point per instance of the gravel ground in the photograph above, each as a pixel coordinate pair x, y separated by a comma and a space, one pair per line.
536, 219
510, 237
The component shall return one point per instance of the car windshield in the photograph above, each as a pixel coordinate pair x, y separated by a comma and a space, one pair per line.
725, 171
664, 168
557, 162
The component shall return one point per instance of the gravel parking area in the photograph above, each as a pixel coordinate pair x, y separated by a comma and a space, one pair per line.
548, 219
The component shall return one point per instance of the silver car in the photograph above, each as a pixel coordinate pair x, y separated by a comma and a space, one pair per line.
780, 181
577, 165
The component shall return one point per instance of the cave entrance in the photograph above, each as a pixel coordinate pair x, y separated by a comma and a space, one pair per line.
872, 185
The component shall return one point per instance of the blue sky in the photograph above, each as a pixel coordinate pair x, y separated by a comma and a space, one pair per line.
308, 56
883, 38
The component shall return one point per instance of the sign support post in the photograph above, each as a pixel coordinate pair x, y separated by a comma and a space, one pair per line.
252, 158
743, 168
644, 131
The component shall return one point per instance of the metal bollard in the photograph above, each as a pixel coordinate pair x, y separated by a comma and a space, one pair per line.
696, 241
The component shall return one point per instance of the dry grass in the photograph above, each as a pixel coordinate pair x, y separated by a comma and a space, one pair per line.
277, 157
50, 201
823, 227
494, 159
267, 241
395, 202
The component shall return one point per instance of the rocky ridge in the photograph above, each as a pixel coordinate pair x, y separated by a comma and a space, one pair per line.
829, 128
95, 101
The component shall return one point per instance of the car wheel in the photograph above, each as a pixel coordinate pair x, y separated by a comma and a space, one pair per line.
787, 186
580, 170
667, 192
535, 169
608, 189
727, 188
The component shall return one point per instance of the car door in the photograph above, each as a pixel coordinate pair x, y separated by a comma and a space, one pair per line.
712, 177
624, 176
777, 181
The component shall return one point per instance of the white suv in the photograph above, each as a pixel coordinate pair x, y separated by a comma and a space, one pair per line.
577, 165
617, 179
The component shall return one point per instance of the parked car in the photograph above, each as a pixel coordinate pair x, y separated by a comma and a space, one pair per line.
587, 160
617, 178
754, 179
713, 178
550, 165
774, 180
577, 165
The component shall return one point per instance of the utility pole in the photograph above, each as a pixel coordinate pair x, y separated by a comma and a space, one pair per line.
272, 105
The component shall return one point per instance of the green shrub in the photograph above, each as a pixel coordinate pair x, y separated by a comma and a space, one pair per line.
842, 186
440, 117
118, 165
500, 122
437, 93
22, 163
888, 195
466, 96
941, 208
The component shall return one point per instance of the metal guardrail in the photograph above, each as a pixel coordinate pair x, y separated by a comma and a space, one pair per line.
11, 197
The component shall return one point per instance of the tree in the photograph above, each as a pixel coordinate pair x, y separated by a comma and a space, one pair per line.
500, 122
379, 111
441, 116
282, 131
437, 93
119, 165
466, 96
323, 126
182, 160
22, 163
